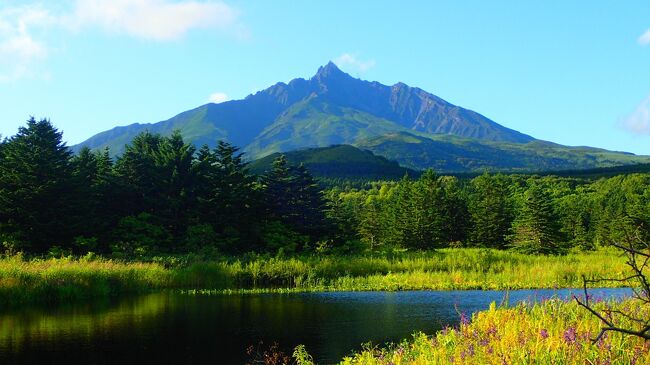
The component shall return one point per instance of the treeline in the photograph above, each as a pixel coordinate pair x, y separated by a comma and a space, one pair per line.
160, 196
165, 196
535, 214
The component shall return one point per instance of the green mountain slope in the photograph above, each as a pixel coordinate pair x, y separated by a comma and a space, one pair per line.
454, 154
341, 161
315, 122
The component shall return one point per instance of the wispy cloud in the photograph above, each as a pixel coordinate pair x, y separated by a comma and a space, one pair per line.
158, 20
644, 39
19, 49
351, 63
218, 97
638, 122
24, 29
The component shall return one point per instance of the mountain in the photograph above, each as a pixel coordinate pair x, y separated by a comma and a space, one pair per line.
351, 106
333, 108
456, 154
339, 161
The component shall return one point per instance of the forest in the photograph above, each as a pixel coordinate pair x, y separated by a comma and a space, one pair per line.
164, 196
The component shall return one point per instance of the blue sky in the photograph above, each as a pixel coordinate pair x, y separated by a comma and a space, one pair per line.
572, 72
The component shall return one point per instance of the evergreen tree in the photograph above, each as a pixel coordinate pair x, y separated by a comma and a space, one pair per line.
371, 224
35, 188
536, 230
174, 193
93, 176
279, 195
234, 198
490, 211
310, 204
294, 198
137, 175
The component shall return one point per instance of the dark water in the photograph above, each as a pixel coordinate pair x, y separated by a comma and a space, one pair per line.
176, 329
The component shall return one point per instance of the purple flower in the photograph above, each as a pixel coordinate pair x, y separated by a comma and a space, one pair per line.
544, 333
491, 331
570, 335
464, 319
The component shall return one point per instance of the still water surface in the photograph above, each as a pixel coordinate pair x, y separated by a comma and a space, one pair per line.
168, 328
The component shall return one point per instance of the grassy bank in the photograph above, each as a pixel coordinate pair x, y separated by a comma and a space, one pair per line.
553, 332
68, 279
51, 280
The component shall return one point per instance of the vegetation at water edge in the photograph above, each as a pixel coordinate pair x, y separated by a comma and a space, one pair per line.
65, 279
551, 332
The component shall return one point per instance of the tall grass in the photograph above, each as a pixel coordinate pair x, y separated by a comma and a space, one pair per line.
552, 332
445, 269
65, 279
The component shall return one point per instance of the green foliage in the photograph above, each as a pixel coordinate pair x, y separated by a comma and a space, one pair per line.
535, 230
294, 198
36, 202
140, 235
279, 238
490, 211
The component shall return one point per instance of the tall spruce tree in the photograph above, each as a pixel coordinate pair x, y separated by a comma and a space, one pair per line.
310, 204
234, 198
294, 198
536, 228
35, 188
93, 176
175, 198
489, 211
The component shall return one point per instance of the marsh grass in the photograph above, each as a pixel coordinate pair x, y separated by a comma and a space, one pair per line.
551, 332
66, 279
447, 269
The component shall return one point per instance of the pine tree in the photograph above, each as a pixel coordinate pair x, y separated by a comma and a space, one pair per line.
294, 198
310, 204
234, 197
93, 176
278, 190
370, 225
536, 228
489, 210
137, 175
35, 188
174, 195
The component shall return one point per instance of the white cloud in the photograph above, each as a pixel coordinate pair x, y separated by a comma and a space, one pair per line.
19, 50
639, 121
644, 39
159, 20
26, 29
218, 97
350, 62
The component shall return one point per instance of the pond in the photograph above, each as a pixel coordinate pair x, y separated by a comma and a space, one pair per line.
170, 328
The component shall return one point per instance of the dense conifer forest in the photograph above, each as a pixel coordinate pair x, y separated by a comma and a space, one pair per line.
164, 196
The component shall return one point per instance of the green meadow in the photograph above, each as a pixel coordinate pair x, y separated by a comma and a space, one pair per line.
48, 280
